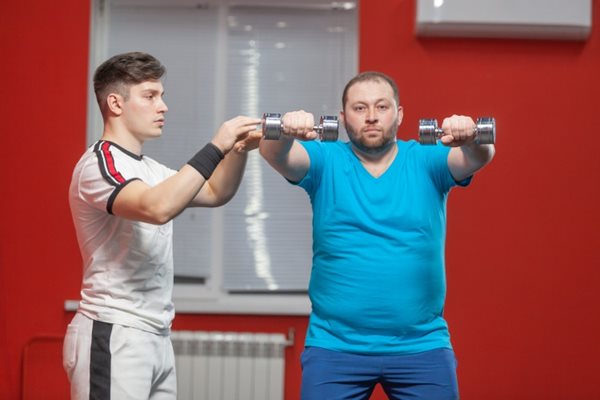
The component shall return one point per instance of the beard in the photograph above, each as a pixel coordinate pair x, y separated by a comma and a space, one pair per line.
370, 146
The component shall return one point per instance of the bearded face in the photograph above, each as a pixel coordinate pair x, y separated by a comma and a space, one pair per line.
372, 138
371, 116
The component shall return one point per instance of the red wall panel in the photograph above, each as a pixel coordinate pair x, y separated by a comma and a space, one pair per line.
44, 48
522, 249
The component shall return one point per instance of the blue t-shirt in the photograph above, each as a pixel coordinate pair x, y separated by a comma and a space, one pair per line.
378, 278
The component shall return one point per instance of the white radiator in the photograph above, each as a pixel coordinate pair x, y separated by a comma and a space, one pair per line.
229, 365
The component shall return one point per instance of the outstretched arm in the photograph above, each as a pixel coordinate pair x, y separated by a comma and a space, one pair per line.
466, 157
161, 203
286, 155
227, 177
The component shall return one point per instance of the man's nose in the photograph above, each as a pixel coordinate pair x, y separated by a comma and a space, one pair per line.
162, 107
371, 115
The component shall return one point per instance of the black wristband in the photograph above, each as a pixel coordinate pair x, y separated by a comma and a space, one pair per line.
206, 160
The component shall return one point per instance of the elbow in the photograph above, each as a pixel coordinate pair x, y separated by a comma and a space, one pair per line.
162, 219
219, 196
220, 202
223, 198
158, 214
219, 199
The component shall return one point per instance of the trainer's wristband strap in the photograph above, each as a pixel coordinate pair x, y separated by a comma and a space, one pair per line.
206, 160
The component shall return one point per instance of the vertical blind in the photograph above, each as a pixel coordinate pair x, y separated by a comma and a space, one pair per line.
224, 61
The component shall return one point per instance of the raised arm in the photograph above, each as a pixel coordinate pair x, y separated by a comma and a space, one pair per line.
226, 178
466, 157
161, 203
286, 155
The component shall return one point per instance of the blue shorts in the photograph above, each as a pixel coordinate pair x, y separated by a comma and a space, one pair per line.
334, 375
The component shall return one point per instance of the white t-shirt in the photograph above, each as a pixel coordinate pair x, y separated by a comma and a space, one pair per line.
127, 265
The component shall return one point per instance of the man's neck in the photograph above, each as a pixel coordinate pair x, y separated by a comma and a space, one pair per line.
378, 162
125, 140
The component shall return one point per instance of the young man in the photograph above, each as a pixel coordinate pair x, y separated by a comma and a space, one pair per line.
379, 216
122, 203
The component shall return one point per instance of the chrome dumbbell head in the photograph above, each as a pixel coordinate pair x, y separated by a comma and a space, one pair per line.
327, 129
428, 131
271, 128
485, 131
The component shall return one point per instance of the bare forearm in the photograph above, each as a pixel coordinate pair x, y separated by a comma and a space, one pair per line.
465, 160
189, 188
477, 156
287, 157
226, 179
276, 151
161, 203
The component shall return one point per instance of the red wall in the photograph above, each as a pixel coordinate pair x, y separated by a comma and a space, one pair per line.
523, 262
43, 66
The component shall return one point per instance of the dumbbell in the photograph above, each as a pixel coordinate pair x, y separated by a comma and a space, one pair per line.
485, 131
327, 129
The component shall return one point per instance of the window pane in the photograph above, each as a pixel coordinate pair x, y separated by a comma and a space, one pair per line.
274, 60
280, 59
184, 40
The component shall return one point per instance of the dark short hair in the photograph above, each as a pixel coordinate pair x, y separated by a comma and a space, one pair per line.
116, 74
370, 76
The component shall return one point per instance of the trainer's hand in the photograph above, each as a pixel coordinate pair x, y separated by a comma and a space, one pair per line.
233, 131
300, 125
459, 130
249, 143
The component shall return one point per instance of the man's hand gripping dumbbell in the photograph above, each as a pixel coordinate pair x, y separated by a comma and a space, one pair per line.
457, 131
300, 125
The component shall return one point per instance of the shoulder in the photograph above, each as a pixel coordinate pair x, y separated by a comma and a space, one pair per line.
88, 156
327, 148
412, 148
86, 167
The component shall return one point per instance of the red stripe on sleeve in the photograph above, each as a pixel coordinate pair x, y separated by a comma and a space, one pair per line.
110, 163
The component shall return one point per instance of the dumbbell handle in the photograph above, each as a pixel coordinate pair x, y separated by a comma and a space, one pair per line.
316, 128
273, 127
485, 131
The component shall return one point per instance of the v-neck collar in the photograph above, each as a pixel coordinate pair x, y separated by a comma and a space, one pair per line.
366, 171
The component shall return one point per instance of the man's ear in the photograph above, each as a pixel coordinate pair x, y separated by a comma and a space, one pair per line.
400, 115
114, 103
342, 118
